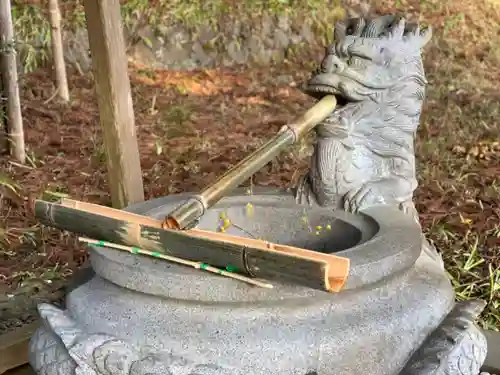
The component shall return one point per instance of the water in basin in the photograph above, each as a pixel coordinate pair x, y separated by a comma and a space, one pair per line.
317, 230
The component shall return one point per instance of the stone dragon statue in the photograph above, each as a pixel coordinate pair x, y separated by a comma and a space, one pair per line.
363, 156
364, 152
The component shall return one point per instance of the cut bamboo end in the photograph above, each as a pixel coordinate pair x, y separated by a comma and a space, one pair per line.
337, 272
171, 223
336, 268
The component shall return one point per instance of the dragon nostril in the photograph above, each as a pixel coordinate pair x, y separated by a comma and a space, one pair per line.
331, 64
336, 65
327, 66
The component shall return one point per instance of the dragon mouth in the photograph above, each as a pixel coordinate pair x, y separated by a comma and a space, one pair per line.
318, 91
348, 86
327, 84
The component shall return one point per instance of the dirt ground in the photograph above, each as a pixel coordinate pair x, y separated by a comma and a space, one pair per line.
192, 126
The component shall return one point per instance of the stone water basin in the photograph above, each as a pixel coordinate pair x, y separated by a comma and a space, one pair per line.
377, 244
395, 296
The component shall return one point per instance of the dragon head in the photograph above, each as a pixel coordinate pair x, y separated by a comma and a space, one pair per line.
369, 57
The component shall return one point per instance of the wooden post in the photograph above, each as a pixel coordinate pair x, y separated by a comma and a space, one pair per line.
57, 50
14, 346
109, 63
10, 83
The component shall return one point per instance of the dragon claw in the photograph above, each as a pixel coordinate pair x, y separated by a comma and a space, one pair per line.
304, 193
362, 197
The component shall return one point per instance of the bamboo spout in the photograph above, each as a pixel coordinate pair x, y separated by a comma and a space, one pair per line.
195, 206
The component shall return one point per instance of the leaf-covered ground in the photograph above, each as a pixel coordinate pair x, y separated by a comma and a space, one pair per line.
193, 126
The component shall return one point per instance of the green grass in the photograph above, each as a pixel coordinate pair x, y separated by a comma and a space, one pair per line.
457, 147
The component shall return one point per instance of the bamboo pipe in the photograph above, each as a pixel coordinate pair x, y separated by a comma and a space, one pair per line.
194, 207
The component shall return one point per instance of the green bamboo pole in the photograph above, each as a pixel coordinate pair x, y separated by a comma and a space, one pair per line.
197, 265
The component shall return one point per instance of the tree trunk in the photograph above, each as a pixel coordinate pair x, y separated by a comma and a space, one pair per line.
4, 138
10, 82
57, 50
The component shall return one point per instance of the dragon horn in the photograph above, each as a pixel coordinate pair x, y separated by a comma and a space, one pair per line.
339, 31
426, 36
412, 29
359, 25
399, 30
378, 25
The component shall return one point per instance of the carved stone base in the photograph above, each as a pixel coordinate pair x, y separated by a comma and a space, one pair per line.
143, 316
457, 346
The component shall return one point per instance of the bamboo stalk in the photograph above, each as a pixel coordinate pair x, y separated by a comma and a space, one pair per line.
253, 257
197, 265
4, 133
57, 50
10, 83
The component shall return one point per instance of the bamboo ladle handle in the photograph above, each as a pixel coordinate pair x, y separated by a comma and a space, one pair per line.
194, 207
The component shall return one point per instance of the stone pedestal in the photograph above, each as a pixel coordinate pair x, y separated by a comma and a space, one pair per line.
140, 315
